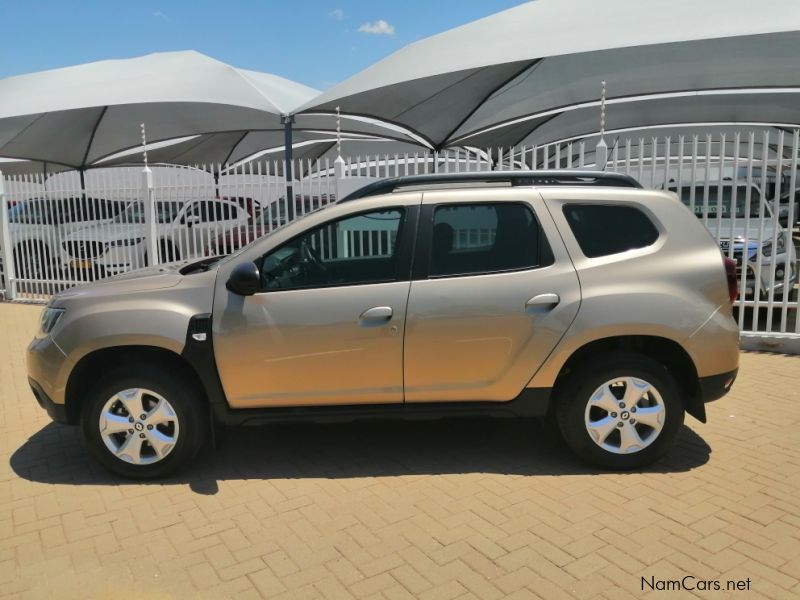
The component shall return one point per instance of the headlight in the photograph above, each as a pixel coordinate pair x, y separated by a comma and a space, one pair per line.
130, 242
766, 248
48, 320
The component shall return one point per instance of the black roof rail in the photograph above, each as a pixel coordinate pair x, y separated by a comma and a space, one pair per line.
513, 178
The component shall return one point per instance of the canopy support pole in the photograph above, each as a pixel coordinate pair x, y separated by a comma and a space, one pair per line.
149, 206
287, 121
601, 150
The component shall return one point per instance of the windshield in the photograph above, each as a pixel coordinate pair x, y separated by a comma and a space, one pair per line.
134, 214
727, 205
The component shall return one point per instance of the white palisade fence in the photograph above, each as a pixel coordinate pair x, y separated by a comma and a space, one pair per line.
57, 234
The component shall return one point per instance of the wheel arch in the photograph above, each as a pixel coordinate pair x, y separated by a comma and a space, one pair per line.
665, 351
95, 363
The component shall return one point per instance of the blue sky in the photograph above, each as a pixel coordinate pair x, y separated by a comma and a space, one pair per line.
315, 42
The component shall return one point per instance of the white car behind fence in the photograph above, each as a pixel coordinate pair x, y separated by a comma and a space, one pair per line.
184, 230
38, 226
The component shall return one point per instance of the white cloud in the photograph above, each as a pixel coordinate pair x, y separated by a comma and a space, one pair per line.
160, 15
379, 27
337, 14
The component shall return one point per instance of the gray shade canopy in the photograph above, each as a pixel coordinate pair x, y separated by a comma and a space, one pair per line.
538, 63
79, 116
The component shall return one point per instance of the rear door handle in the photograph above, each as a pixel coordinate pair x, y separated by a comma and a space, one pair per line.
543, 301
376, 314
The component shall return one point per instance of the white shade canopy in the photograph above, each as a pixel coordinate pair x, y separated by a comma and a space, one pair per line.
536, 63
80, 116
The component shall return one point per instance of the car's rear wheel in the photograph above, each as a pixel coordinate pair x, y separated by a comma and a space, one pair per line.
621, 412
143, 422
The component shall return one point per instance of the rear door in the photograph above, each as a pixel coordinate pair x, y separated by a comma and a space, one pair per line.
493, 291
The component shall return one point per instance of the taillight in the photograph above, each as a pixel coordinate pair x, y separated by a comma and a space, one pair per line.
733, 284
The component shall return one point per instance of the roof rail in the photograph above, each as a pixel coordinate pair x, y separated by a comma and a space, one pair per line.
513, 178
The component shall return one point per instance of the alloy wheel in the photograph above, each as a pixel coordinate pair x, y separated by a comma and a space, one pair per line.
139, 426
625, 415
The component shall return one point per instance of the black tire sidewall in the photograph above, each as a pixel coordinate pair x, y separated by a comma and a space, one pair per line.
181, 394
582, 384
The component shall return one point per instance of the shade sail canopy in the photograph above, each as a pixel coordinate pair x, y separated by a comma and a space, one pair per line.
79, 116
541, 59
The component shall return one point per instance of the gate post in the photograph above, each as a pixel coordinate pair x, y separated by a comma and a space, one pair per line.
5, 245
149, 207
150, 232
339, 175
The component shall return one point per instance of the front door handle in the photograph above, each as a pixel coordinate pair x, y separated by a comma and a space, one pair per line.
543, 301
377, 314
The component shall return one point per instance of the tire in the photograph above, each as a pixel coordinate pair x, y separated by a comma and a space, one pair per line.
34, 259
178, 428
617, 446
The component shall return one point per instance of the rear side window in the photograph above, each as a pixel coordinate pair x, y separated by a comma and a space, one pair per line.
470, 239
604, 229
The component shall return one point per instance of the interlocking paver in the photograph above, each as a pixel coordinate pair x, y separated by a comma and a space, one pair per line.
475, 509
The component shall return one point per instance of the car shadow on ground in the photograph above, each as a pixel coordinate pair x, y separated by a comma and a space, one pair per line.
362, 449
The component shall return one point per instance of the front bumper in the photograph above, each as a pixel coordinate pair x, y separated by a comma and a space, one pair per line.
48, 368
57, 412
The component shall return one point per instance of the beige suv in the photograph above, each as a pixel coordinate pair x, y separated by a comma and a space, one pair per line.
572, 294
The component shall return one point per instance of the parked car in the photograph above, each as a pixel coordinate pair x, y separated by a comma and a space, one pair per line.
38, 226
251, 205
269, 219
185, 230
785, 205
575, 294
751, 234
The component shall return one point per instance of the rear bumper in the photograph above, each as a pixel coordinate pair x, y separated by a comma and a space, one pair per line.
57, 412
716, 386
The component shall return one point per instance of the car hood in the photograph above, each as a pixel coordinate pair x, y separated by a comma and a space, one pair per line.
108, 232
141, 280
753, 230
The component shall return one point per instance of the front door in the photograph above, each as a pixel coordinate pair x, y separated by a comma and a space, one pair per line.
327, 327
493, 292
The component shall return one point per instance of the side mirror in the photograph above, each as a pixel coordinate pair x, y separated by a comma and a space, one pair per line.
245, 279
192, 220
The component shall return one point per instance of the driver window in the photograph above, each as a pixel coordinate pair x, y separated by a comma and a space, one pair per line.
359, 249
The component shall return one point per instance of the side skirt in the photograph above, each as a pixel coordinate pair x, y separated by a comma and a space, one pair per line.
532, 402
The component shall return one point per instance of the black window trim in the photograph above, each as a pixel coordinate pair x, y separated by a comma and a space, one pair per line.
422, 255
406, 234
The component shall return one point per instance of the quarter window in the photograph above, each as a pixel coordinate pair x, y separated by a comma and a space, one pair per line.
603, 229
356, 250
471, 239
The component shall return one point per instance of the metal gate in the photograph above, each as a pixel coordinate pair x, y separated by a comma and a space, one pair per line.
743, 186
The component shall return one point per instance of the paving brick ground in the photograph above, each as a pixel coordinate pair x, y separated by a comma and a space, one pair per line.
404, 510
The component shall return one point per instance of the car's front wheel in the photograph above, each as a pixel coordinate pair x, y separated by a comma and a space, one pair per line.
620, 412
143, 422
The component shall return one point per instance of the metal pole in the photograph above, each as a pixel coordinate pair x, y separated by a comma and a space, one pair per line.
338, 164
601, 150
287, 121
148, 199
5, 245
